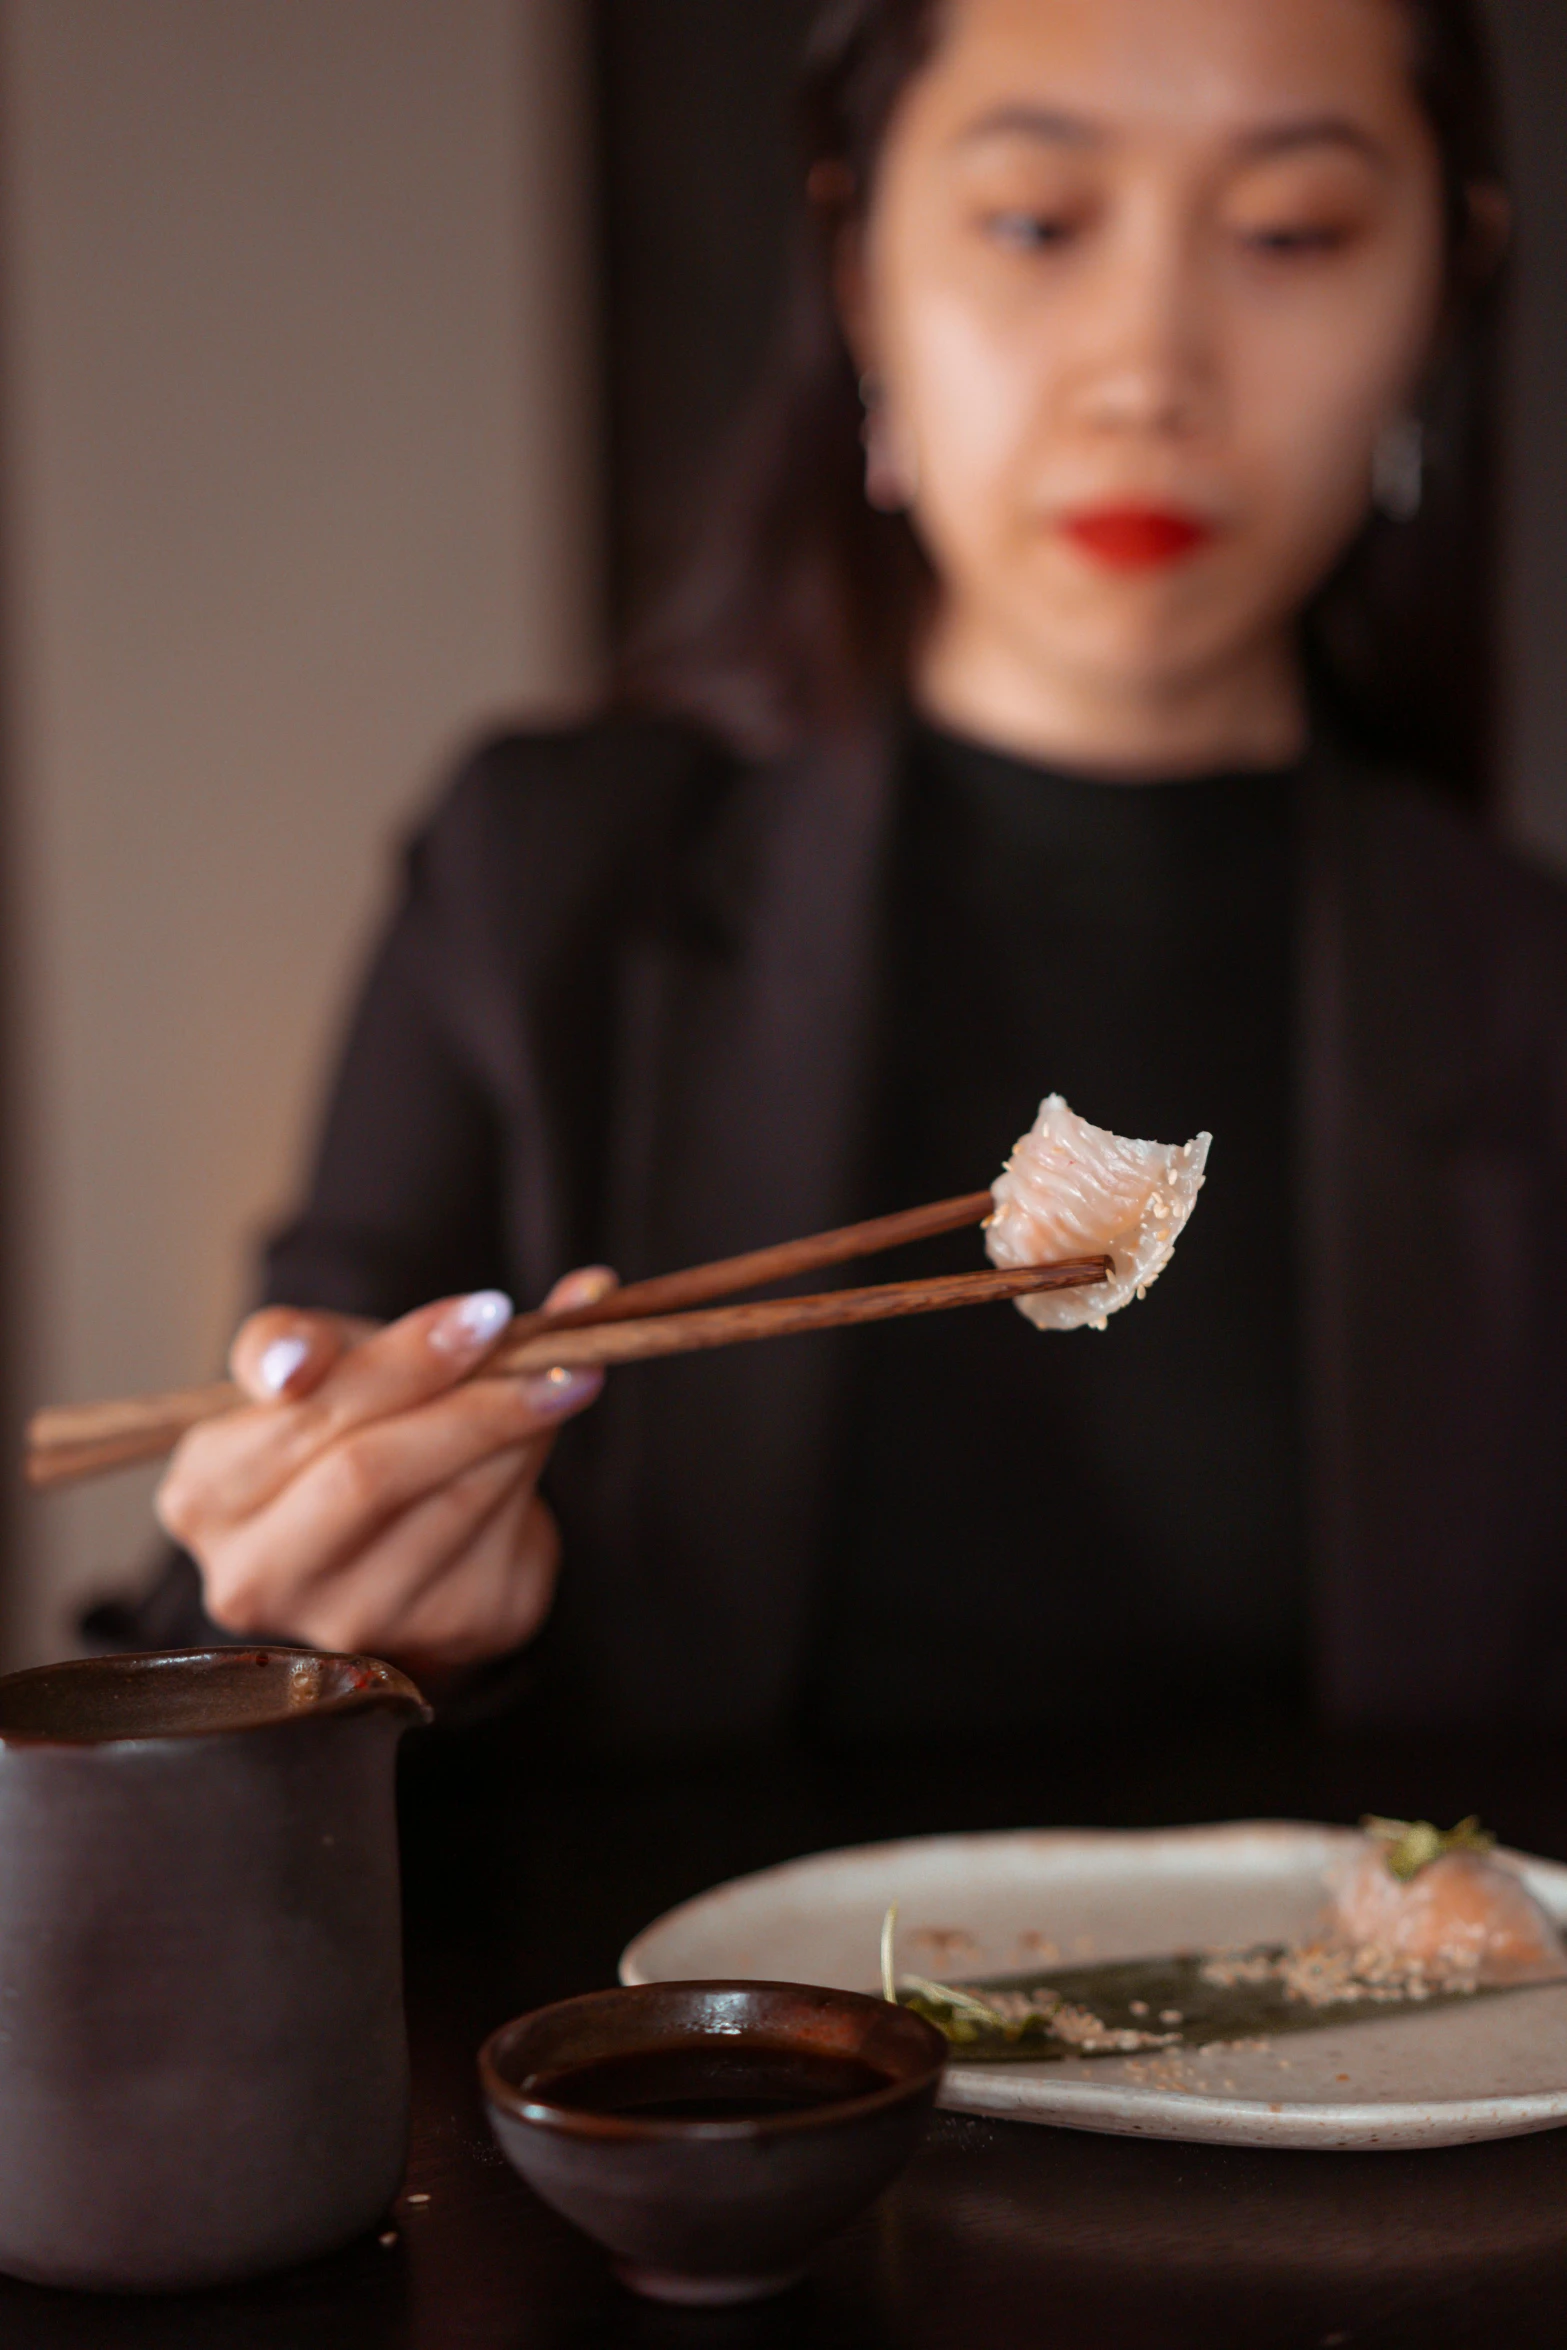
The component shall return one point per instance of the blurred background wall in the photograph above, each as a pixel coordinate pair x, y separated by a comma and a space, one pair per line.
298, 490
349, 351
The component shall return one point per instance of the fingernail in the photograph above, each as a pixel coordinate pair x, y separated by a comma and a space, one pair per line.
585, 1287
471, 1323
279, 1363
562, 1391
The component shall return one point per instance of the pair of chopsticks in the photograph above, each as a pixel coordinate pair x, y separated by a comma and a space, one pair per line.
645, 1319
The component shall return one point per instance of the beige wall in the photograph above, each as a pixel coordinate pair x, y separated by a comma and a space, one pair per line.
297, 491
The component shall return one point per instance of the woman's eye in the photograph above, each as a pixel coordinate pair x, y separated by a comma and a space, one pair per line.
1028, 232
1287, 240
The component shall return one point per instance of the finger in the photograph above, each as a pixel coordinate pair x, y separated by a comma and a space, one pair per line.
495, 1596
231, 1470
426, 1544
358, 1604
284, 1351
584, 1287
343, 1498
426, 1353
423, 1355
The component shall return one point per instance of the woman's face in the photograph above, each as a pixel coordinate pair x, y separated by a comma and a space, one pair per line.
1142, 282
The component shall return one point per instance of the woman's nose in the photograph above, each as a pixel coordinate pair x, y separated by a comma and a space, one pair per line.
1147, 363
1145, 393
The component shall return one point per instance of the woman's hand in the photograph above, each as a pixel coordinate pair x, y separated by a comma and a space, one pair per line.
374, 1496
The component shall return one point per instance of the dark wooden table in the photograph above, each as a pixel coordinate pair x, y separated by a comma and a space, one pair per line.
525, 1881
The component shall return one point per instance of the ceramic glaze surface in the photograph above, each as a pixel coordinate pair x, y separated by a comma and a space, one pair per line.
714, 2211
996, 1904
203, 2066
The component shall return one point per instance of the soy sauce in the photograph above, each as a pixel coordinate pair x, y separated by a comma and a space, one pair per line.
704, 2080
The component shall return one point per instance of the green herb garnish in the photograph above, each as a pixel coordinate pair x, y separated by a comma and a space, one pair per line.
1408, 1846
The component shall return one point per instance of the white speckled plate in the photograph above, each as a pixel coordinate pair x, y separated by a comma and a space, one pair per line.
989, 1905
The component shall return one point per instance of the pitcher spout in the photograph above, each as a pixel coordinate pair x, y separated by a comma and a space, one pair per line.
194, 1692
352, 1684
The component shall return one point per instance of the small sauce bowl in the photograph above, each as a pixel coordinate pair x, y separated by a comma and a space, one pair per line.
711, 2135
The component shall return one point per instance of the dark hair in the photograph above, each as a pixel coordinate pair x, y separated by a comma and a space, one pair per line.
797, 602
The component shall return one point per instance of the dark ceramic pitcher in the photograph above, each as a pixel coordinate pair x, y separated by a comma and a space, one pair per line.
203, 2065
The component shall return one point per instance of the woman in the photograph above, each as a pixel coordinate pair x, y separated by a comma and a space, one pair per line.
1032, 718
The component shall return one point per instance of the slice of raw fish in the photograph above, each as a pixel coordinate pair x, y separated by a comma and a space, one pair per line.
1072, 1190
1466, 1915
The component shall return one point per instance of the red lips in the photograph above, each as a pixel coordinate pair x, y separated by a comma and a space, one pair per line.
1137, 538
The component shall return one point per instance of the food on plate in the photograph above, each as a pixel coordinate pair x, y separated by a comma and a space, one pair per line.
1416, 1915
1439, 1906
1072, 1190
1013, 2017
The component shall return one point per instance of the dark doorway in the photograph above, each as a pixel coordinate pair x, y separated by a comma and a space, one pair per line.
696, 194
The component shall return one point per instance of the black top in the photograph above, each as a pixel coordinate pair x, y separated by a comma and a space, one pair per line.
1087, 1527
622, 1012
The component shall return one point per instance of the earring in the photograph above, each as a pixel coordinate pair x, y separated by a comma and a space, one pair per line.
889, 485
1398, 469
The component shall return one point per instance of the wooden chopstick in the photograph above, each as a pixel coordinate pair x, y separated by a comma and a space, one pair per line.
83, 1440
670, 1293
66, 1442
786, 1317
70, 1441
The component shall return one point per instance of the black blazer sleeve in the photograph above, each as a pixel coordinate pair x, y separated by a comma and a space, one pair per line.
404, 1200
